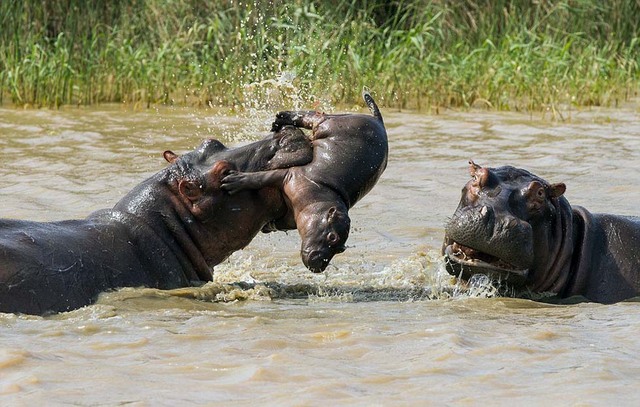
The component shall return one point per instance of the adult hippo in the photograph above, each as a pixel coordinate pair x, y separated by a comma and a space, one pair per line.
349, 156
514, 224
168, 232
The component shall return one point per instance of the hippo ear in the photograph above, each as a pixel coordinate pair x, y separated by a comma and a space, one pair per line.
473, 168
479, 175
331, 213
190, 189
170, 156
556, 190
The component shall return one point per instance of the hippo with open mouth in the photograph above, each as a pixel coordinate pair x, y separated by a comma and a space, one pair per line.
168, 232
514, 225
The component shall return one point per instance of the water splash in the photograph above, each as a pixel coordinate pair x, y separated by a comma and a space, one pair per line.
277, 93
251, 118
418, 277
263, 98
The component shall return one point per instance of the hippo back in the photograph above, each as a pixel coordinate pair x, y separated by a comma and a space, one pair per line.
60, 266
351, 157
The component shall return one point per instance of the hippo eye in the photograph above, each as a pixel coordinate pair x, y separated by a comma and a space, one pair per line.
332, 238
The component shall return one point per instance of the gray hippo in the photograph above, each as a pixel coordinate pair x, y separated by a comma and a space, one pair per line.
349, 156
515, 225
168, 232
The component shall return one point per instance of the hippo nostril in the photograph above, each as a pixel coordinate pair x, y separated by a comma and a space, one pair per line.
316, 261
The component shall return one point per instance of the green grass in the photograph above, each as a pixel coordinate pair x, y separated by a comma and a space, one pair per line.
417, 54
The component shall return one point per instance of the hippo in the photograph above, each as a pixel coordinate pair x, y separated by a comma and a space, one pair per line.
168, 232
514, 225
349, 156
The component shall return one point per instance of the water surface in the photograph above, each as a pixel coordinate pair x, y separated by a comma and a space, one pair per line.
383, 326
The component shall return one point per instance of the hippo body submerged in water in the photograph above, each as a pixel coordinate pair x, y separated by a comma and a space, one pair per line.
349, 156
168, 232
513, 224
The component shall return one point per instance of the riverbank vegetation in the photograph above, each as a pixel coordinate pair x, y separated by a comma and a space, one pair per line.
419, 54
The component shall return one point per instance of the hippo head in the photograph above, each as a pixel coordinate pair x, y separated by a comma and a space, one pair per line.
198, 177
324, 228
190, 177
219, 223
505, 225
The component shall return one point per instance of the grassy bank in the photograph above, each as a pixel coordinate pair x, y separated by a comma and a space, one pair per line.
502, 54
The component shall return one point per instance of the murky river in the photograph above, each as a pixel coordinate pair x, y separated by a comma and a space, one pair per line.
384, 325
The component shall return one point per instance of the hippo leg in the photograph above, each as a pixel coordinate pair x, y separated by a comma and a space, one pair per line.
237, 181
285, 223
295, 149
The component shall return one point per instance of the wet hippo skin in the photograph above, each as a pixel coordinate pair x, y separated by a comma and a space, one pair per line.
349, 156
515, 225
168, 232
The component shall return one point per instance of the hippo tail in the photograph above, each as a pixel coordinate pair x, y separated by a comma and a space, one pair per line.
372, 105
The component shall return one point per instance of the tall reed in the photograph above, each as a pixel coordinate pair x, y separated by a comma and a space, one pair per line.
500, 53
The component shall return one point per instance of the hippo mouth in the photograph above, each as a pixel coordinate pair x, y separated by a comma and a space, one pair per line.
464, 262
315, 260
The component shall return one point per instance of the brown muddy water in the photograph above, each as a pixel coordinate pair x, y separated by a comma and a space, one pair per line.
384, 325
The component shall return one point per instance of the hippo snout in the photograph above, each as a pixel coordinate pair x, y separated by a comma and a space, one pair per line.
498, 234
316, 260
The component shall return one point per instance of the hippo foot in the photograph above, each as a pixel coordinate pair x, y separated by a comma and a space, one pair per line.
292, 118
236, 181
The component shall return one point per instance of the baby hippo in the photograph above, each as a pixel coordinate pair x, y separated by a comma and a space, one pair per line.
349, 156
